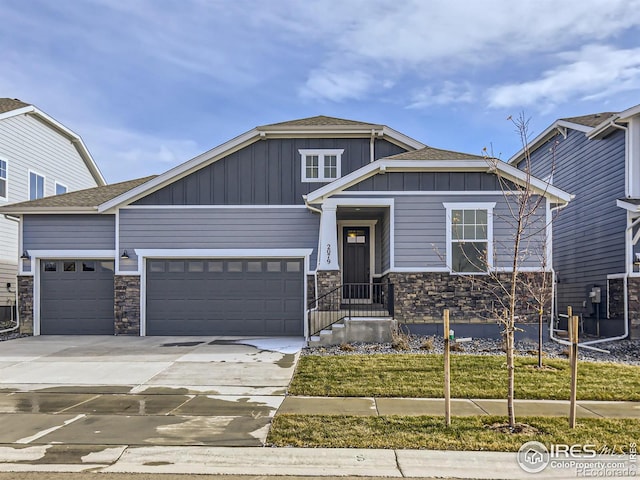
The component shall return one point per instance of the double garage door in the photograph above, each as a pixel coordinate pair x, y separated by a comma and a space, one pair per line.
225, 297
262, 297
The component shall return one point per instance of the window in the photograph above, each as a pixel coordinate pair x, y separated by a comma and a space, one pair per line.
469, 237
60, 189
3, 179
36, 186
321, 165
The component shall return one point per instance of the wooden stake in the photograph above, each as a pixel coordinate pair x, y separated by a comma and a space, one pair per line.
447, 371
573, 335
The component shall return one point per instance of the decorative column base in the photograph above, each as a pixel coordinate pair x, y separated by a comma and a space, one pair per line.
328, 280
126, 305
25, 304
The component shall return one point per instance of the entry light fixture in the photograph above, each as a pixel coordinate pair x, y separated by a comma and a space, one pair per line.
124, 255
25, 255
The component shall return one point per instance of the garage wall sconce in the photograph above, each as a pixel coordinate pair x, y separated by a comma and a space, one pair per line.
25, 255
124, 255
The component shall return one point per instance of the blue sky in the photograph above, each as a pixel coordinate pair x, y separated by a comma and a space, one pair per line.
149, 84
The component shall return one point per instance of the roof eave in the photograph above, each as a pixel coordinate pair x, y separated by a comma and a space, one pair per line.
548, 133
8, 210
181, 170
468, 165
71, 135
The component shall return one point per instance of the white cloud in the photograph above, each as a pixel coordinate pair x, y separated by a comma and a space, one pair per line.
125, 154
440, 37
586, 74
450, 93
328, 85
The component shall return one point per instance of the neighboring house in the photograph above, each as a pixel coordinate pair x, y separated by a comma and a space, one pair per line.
39, 157
595, 238
241, 239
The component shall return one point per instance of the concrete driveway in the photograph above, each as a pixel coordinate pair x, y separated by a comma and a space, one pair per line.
108, 391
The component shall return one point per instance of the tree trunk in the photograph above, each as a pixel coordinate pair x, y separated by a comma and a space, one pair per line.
540, 323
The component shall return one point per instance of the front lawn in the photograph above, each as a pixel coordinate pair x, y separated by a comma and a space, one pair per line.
472, 376
466, 433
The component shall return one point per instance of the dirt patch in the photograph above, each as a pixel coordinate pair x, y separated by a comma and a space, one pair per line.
519, 428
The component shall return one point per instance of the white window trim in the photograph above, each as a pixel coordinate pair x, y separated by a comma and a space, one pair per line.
321, 153
488, 206
58, 184
44, 185
6, 180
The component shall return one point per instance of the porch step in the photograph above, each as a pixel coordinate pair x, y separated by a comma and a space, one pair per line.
356, 329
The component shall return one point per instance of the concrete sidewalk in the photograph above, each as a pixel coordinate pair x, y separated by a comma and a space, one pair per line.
314, 462
459, 407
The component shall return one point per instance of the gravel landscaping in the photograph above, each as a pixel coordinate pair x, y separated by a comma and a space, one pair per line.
622, 351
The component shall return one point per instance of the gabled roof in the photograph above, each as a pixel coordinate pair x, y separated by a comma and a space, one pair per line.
80, 200
451, 164
430, 153
316, 127
9, 104
591, 120
12, 107
320, 120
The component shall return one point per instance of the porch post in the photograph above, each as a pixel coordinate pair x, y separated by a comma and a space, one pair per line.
328, 254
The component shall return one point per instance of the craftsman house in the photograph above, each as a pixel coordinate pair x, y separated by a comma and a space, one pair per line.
257, 234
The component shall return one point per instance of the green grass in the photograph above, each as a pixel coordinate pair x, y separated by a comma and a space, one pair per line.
465, 433
472, 376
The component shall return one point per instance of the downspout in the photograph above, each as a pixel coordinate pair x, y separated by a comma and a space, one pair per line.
317, 210
372, 152
17, 326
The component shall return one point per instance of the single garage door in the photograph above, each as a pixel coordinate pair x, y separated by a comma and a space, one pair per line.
76, 297
263, 297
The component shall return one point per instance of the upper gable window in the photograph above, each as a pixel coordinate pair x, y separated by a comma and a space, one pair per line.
3, 180
60, 189
36, 186
321, 165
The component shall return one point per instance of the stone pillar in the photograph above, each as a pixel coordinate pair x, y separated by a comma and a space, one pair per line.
126, 304
25, 304
328, 253
633, 286
328, 280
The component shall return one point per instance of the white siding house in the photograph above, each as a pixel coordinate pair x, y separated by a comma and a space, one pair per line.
38, 157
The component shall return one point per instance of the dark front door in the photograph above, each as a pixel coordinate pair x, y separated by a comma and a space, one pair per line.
355, 262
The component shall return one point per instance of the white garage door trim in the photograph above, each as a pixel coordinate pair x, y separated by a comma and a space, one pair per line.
38, 255
144, 254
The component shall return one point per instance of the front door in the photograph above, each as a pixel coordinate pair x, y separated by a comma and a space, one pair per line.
356, 267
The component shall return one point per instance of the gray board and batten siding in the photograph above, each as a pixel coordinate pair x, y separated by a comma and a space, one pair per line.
267, 172
431, 181
69, 232
589, 234
225, 228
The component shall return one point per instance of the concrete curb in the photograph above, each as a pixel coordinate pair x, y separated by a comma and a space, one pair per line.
316, 462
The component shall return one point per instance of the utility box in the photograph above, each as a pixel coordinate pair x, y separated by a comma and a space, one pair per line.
595, 295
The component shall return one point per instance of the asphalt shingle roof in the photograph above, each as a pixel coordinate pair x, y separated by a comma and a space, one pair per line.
591, 120
90, 197
430, 153
319, 121
8, 104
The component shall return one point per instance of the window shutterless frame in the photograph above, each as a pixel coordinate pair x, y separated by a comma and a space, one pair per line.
36, 185
469, 236
4, 185
320, 165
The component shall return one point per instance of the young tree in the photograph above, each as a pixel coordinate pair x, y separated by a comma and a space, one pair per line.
526, 217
